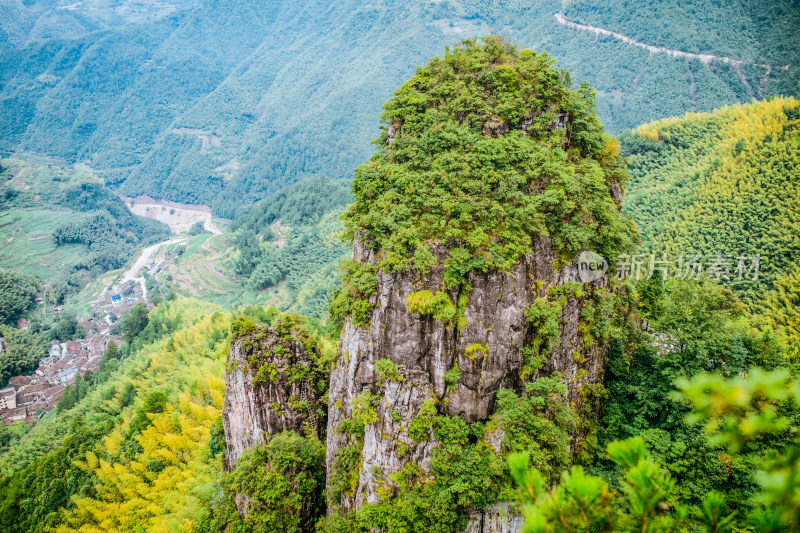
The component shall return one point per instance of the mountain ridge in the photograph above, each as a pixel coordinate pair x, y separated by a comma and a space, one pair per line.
291, 91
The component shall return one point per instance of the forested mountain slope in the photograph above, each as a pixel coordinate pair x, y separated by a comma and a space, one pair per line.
293, 236
25, 21
725, 183
756, 31
230, 100
139, 448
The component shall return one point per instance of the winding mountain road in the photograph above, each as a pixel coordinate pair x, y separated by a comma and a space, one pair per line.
704, 58
139, 264
147, 255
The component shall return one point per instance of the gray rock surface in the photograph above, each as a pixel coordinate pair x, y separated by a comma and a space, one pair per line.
254, 407
497, 518
424, 349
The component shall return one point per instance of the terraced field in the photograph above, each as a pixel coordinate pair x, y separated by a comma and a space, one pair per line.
26, 242
201, 272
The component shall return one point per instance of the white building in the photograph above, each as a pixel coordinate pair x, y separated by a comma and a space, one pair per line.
8, 398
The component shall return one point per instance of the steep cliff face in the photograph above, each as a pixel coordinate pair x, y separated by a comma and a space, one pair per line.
273, 384
459, 364
466, 333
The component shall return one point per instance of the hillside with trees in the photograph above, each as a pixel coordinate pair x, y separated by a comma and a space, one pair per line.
720, 189
758, 32
66, 226
292, 238
17, 294
150, 411
449, 366
283, 91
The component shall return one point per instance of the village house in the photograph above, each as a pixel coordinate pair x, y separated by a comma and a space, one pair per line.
20, 413
55, 350
8, 398
31, 393
29, 397
20, 381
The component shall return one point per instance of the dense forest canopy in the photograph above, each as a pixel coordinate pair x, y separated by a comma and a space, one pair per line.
25, 22
21, 352
148, 411
17, 293
292, 238
760, 31
722, 184
301, 204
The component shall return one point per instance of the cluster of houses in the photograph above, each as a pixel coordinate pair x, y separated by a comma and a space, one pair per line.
116, 300
27, 398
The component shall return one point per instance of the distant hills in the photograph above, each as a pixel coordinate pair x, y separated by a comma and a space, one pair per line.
227, 101
23, 22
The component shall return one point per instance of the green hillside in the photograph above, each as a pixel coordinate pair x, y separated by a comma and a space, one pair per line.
65, 226
757, 31
26, 21
137, 448
721, 183
228, 101
142, 451
291, 243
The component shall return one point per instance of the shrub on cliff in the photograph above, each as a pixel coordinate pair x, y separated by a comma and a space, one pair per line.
486, 148
283, 481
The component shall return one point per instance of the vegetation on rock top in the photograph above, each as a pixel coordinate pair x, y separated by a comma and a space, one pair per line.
477, 165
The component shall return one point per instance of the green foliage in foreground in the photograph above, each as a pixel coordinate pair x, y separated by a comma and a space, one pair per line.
736, 412
149, 414
472, 139
696, 328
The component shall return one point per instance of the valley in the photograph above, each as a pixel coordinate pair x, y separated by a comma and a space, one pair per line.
179, 217
243, 117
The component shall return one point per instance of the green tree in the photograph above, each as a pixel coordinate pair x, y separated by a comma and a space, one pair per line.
17, 294
586, 503
66, 327
762, 407
24, 350
283, 481
155, 402
134, 322
112, 351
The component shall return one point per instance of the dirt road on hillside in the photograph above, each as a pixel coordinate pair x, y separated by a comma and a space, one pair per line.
147, 254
